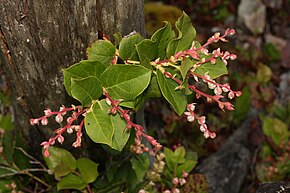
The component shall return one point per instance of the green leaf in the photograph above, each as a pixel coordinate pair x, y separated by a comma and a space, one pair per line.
187, 166
179, 155
99, 126
186, 34
102, 51
86, 90
105, 128
125, 81
121, 134
176, 98
60, 162
154, 48
214, 70
168, 158
185, 66
147, 51
127, 48
71, 181
276, 129
264, 73
153, 90
140, 165
88, 170
81, 70
161, 38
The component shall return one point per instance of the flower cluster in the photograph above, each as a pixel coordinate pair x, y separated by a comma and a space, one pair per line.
198, 53
191, 116
140, 131
76, 111
177, 181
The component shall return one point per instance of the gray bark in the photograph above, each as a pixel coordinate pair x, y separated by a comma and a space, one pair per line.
38, 38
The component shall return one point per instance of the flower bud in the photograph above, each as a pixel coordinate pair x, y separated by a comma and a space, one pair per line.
190, 118
218, 91
47, 112
58, 118
44, 121
175, 181
60, 139
231, 95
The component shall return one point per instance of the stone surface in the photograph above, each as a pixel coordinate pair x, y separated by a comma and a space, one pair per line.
279, 187
253, 14
226, 169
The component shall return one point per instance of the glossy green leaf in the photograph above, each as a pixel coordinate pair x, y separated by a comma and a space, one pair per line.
214, 70
276, 129
99, 126
81, 70
186, 34
147, 51
127, 48
60, 157
161, 38
71, 181
151, 49
125, 81
88, 170
176, 98
153, 90
86, 90
140, 165
102, 51
185, 66
104, 128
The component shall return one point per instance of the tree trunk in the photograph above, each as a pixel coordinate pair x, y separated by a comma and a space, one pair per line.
38, 38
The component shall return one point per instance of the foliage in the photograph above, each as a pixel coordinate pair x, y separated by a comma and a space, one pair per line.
275, 164
116, 81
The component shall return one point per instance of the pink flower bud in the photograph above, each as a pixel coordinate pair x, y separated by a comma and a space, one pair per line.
34, 121
76, 144
233, 56
176, 190
190, 118
70, 130
202, 128
206, 134
191, 106
46, 153
108, 102
60, 139
47, 112
182, 181
218, 91
58, 118
212, 135
184, 174
231, 95
201, 120
167, 191
44, 121
239, 93
175, 181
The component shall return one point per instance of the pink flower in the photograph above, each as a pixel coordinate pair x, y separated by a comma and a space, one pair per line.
58, 118
44, 121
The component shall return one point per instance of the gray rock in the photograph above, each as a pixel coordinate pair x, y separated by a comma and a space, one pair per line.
253, 14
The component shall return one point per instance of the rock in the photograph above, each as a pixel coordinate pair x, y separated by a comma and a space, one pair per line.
253, 14
226, 169
270, 187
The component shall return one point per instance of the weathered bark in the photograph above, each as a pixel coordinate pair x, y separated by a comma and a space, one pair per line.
38, 38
